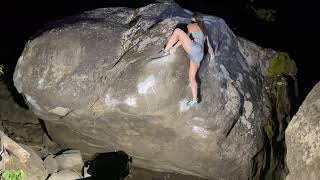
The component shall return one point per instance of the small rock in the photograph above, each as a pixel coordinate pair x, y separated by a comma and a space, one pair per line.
70, 160
51, 164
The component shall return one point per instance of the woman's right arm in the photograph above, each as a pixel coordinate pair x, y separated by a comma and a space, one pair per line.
188, 31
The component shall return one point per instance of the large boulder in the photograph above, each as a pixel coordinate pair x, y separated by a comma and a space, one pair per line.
90, 77
303, 139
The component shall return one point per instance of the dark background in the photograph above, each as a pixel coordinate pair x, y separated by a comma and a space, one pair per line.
295, 30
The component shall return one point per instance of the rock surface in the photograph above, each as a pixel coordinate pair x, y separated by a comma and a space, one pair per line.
20, 124
65, 175
17, 122
90, 77
50, 164
33, 169
138, 174
69, 160
303, 139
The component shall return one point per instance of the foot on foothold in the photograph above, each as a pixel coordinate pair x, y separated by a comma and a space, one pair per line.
191, 103
161, 51
164, 53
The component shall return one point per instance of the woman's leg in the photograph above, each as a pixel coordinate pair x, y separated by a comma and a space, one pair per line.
193, 69
179, 35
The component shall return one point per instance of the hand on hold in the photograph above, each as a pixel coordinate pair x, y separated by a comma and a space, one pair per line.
211, 56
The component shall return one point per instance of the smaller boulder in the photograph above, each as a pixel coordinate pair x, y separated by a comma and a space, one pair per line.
51, 164
70, 160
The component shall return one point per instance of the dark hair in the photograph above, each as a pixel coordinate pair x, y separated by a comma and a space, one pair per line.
199, 21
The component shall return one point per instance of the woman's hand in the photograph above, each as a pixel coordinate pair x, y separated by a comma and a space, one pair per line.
211, 55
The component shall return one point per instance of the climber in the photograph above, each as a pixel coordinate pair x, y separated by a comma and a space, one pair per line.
194, 49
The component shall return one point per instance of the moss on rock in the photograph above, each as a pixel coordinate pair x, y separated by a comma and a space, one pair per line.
270, 164
281, 64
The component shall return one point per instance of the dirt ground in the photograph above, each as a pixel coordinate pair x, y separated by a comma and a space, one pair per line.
143, 174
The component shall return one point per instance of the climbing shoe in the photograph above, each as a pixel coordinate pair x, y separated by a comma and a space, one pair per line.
191, 103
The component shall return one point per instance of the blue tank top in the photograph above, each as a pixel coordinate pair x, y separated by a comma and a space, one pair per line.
198, 35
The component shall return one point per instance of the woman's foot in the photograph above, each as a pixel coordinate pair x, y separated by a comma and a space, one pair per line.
193, 102
164, 52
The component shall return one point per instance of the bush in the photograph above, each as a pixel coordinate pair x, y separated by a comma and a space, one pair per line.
12, 175
1, 69
281, 64
266, 14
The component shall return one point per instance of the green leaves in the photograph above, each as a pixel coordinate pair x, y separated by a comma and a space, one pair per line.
266, 14
1, 69
12, 175
281, 64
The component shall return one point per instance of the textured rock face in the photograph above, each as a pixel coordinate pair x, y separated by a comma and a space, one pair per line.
50, 164
19, 123
33, 168
302, 139
65, 175
70, 160
91, 79
22, 125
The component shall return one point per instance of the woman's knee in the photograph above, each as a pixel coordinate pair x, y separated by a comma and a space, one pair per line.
177, 31
192, 79
193, 69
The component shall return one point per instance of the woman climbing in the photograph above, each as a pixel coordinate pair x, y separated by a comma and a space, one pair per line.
194, 49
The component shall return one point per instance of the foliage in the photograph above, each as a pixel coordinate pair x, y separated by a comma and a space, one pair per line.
281, 64
1, 69
12, 175
265, 14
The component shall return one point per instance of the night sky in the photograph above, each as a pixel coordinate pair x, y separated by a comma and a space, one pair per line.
293, 31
